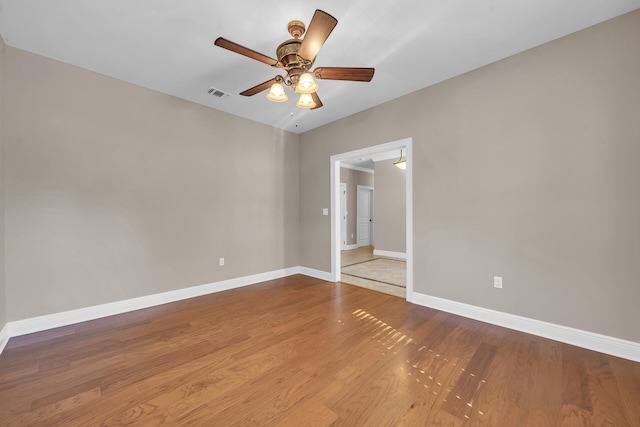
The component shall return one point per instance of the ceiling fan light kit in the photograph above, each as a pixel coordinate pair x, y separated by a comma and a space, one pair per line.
306, 84
305, 101
401, 163
296, 56
277, 93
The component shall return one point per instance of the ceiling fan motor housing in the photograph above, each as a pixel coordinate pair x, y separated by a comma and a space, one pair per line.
287, 54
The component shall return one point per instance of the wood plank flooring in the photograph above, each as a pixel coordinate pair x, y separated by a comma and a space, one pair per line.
300, 352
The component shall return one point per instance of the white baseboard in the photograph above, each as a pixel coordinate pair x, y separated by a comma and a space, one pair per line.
589, 340
41, 323
602, 343
318, 274
390, 254
350, 247
4, 337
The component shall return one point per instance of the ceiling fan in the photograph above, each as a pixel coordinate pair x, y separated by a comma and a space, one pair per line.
296, 56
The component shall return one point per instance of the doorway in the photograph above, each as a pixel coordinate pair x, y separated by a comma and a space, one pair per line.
364, 209
336, 232
343, 215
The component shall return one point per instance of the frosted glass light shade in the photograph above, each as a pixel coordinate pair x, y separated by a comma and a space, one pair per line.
276, 93
306, 84
305, 101
402, 164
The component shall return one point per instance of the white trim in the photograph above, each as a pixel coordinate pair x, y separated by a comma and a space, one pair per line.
344, 215
396, 154
318, 274
350, 247
41, 323
4, 337
335, 163
589, 340
390, 254
55, 320
356, 168
364, 187
409, 215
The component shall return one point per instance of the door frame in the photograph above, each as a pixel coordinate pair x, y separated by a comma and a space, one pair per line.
371, 219
335, 160
343, 215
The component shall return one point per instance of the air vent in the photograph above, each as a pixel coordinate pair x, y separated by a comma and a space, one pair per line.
217, 93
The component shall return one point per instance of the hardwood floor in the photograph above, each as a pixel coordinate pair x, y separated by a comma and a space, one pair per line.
300, 351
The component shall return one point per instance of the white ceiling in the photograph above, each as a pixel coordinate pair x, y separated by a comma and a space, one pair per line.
167, 45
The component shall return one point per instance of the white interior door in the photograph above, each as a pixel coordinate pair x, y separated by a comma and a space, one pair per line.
365, 216
343, 215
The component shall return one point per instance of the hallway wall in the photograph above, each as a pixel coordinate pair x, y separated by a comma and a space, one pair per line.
390, 207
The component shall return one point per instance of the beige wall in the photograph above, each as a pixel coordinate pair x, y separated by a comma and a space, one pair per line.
390, 207
527, 169
114, 191
3, 300
353, 178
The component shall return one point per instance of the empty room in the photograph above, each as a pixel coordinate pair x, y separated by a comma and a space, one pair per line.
174, 222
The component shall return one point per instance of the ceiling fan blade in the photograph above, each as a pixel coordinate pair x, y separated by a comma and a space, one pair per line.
316, 99
259, 88
341, 73
234, 47
319, 29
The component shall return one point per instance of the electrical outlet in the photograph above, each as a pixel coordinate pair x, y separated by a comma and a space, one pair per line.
221, 262
497, 282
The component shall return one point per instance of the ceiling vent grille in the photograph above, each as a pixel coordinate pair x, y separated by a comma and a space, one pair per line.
217, 93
